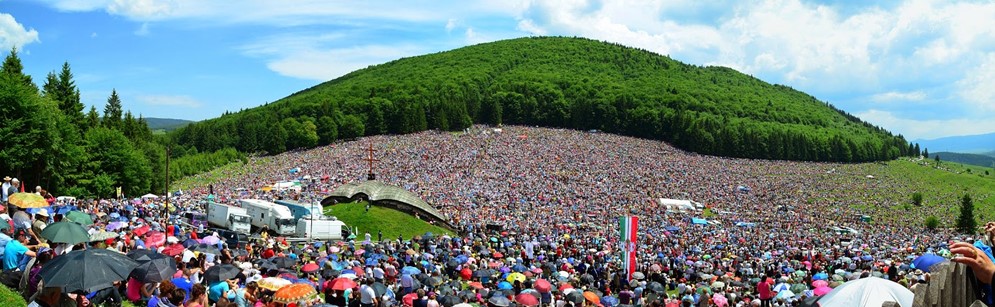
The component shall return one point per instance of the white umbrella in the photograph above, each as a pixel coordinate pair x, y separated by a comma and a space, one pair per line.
870, 291
782, 287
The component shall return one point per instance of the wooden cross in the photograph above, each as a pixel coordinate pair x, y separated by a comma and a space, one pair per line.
370, 159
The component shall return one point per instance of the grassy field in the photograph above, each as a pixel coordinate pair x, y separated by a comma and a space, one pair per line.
390, 221
10, 298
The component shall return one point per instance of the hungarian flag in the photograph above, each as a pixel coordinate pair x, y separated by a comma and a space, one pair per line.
628, 227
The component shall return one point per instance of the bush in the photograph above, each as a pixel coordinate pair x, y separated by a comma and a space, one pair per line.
917, 199
932, 222
10, 297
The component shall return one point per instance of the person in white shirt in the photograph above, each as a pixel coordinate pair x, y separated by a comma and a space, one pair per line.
367, 295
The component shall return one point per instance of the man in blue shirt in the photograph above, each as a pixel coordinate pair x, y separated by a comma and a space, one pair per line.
16, 252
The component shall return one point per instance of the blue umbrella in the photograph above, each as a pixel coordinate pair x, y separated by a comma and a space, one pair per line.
371, 262
410, 270
866, 258
609, 301
462, 259
924, 262
820, 276
190, 243
114, 215
672, 228
519, 268
504, 285
348, 272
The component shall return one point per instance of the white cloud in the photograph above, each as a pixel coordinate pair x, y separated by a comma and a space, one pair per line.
143, 30
142, 9
977, 86
451, 24
899, 96
317, 57
914, 129
93, 35
169, 101
13, 34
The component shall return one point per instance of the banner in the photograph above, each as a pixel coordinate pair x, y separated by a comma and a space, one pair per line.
628, 227
118, 192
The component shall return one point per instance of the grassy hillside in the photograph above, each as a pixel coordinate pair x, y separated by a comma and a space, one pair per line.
166, 124
390, 221
558, 82
966, 158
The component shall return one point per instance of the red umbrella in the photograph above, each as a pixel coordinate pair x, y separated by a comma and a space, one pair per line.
477, 285
155, 239
565, 286
173, 250
310, 267
343, 284
526, 299
466, 273
409, 299
141, 230
498, 255
543, 286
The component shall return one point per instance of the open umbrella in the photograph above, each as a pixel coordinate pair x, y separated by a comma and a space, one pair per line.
870, 291
294, 293
65, 232
79, 217
526, 299
638, 276
112, 226
155, 239
284, 262
926, 261
609, 301
221, 272
820, 291
410, 270
102, 235
450, 300
504, 285
210, 240
379, 288
515, 276
154, 267
575, 297
140, 231
273, 283
592, 297
206, 248
27, 200
342, 283
310, 267
173, 250
190, 242
543, 286
499, 301
87, 270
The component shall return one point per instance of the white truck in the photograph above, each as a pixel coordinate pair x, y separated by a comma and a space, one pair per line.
228, 217
320, 229
264, 214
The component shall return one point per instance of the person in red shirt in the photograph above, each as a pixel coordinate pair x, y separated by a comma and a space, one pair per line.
268, 253
765, 292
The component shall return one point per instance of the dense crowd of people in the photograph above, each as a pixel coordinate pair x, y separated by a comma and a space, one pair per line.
536, 210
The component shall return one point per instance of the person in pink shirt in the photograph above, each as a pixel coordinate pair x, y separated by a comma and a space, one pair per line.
765, 292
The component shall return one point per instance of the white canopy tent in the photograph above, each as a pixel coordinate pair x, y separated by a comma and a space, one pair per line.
150, 196
678, 205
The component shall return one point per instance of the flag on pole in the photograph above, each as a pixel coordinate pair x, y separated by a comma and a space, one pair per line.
628, 227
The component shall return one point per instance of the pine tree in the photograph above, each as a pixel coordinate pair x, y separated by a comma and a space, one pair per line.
62, 89
966, 222
92, 118
12, 66
112, 111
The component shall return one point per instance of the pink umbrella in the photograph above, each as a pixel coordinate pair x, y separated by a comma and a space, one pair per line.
820, 291
212, 240
141, 230
543, 286
360, 252
820, 283
155, 239
334, 249
720, 300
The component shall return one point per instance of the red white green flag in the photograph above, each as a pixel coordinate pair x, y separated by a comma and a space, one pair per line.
628, 227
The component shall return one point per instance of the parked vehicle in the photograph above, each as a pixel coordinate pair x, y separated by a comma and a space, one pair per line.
267, 215
228, 217
321, 229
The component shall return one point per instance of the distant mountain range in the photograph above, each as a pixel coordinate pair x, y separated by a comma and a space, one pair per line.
986, 160
976, 144
167, 124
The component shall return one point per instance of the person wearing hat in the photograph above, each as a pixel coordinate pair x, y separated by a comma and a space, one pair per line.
41, 220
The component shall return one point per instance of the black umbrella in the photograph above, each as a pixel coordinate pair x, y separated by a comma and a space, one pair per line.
87, 270
154, 268
576, 297
206, 248
284, 262
221, 272
450, 300
446, 290
140, 254
482, 273
188, 243
432, 281
656, 287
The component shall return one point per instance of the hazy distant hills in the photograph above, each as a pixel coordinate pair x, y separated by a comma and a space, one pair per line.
167, 124
976, 144
986, 160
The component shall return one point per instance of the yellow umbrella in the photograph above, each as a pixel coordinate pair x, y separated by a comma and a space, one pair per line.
27, 200
516, 276
273, 283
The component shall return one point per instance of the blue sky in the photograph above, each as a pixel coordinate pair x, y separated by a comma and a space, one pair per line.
921, 68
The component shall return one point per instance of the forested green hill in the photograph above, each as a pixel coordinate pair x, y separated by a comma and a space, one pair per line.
557, 82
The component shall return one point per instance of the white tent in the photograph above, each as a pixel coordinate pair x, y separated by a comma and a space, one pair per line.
150, 196
870, 291
681, 205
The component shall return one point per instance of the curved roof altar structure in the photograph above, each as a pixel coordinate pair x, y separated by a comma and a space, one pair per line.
381, 194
